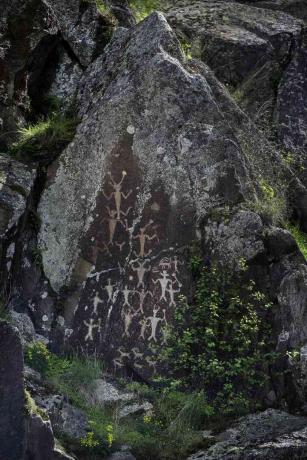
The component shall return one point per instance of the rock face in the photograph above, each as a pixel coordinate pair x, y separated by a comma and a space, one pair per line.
152, 155
12, 427
259, 53
32, 35
269, 435
16, 181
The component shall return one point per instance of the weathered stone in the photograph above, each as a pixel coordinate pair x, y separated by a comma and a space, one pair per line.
117, 212
16, 181
24, 325
136, 408
12, 426
105, 393
268, 435
291, 110
240, 238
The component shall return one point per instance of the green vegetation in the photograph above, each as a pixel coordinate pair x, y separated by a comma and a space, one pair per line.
300, 238
103, 9
218, 355
47, 137
142, 8
220, 342
169, 432
32, 408
186, 49
270, 204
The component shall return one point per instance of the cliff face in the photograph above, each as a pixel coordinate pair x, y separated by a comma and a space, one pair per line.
191, 128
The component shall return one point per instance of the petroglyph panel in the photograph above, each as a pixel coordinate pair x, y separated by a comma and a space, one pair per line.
131, 291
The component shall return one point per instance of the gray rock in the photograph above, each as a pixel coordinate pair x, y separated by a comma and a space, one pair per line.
291, 111
16, 181
133, 409
24, 325
12, 426
144, 174
105, 393
246, 46
65, 419
268, 435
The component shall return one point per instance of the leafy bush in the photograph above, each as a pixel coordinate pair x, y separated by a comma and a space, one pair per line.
220, 342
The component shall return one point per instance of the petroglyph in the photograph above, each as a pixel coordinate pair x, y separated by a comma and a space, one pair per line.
172, 293
97, 301
140, 269
113, 221
91, 326
163, 283
143, 323
126, 292
128, 317
142, 296
110, 290
118, 194
154, 321
143, 237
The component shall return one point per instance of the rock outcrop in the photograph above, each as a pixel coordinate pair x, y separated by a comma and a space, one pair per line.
269, 435
130, 185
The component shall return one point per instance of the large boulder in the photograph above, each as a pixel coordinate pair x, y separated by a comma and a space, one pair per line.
156, 150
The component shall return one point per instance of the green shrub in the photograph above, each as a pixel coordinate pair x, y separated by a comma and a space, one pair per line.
143, 8
300, 238
220, 342
45, 138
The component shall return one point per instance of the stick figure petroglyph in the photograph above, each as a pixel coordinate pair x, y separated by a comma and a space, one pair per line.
143, 323
91, 326
140, 269
97, 301
163, 283
126, 293
128, 317
113, 220
142, 295
110, 290
142, 237
154, 321
118, 194
172, 293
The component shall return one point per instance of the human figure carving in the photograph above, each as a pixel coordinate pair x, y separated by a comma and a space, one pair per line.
91, 326
117, 193
126, 293
128, 317
143, 237
113, 220
142, 295
154, 321
164, 281
143, 323
97, 301
110, 290
172, 293
140, 269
